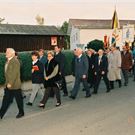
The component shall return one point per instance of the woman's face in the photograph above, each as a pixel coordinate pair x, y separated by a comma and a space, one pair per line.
49, 57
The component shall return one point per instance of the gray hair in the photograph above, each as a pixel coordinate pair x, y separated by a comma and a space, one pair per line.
11, 50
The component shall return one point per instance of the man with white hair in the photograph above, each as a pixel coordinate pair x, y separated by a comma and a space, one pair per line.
12, 85
81, 73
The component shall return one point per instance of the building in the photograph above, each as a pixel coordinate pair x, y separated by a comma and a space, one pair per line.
82, 31
29, 37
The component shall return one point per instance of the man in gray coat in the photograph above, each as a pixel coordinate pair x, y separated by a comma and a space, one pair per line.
81, 73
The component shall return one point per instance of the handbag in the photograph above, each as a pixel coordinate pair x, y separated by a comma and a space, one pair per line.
59, 84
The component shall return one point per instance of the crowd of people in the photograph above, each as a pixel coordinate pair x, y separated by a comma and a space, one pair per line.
48, 74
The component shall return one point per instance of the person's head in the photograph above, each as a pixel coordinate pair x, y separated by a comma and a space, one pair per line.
100, 52
90, 51
79, 51
57, 49
41, 52
10, 52
34, 55
50, 55
125, 48
113, 48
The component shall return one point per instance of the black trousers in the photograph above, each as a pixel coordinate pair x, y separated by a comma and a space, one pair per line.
47, 94
98, 79
8, 98
125, 74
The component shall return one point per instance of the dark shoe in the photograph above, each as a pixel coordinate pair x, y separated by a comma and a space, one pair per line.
125, 84
108, 91
42, 106
94, 92
119, 82
87, 96
19, 115
65, 95
72, 97
30, 104
58, 104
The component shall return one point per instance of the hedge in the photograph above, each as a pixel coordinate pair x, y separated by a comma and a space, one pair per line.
25, 58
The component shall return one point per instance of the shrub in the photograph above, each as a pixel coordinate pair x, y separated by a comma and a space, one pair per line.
26, 62
96, 45
2, 64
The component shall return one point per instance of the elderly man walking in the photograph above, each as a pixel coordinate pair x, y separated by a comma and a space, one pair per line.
114, 67
13, 84
126, 64
81, 73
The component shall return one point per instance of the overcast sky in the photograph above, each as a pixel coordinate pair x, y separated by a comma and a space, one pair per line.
55, 12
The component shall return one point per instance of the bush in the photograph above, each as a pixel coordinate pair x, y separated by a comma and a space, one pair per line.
26, 62
96, 45
2, 68
69, 56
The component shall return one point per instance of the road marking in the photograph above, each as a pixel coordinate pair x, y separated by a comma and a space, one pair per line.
43, 111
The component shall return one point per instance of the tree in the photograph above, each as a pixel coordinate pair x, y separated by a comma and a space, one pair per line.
39, 19
64, 29
1, 20
95, 44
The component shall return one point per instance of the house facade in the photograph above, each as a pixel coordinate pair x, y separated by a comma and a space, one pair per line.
82, 31
29, 37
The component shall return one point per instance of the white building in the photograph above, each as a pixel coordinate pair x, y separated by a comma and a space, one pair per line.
82, 31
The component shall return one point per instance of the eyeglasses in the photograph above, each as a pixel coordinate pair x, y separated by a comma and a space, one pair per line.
49, 56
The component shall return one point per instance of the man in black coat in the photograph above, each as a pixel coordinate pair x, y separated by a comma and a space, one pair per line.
61, 59
100, 70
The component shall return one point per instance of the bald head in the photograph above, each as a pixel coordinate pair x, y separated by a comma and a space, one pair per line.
79, 51
10, 52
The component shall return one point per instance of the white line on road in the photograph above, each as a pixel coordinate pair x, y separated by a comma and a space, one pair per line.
44, 111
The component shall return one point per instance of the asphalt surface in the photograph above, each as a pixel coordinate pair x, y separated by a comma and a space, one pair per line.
102, 114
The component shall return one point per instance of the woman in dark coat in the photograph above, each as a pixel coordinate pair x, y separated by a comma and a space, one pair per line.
51, 77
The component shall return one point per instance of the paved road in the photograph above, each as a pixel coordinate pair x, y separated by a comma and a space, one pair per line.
103, 114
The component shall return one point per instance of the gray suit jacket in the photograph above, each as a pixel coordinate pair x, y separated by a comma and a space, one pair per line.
81, 66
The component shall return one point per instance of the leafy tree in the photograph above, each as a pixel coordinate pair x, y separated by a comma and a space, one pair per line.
95, 44
64, 29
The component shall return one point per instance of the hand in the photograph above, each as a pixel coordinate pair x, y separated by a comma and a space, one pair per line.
103, 73
32, 70
95, 73
46, 78
8, 85
84, 76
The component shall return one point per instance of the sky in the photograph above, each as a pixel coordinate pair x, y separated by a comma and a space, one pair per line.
55, 12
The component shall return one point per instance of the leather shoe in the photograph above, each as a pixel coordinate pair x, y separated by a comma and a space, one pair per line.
58, 104
42, 105
65, 94
87, 96
94, 92
30, 104
72, 97
19, 115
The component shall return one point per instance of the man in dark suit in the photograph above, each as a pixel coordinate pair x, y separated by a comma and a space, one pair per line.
100, 70
42, 58
13, 84
81, 71
61, 59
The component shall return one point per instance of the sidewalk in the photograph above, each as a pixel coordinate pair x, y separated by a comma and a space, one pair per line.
27, 86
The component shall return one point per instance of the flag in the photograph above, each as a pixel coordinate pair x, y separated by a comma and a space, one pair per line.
115, 27
115, 21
